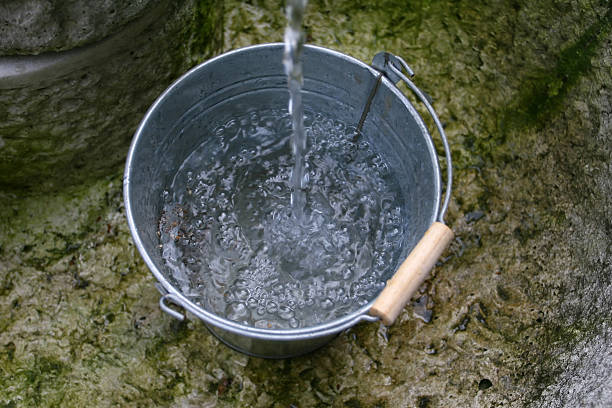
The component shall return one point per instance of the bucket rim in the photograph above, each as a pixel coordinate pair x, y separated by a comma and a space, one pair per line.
176, 297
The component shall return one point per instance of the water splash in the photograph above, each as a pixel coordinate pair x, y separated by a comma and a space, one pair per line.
294, 42
231, 242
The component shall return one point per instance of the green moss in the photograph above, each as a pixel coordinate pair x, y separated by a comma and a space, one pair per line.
285, 387
544, 91
352, 403
206, 30
40, 381
173, 334
556, 339
170, 392
57, 227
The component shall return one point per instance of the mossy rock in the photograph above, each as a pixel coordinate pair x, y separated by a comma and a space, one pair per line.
68, 117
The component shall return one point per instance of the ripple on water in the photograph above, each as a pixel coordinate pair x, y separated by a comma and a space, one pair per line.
232, 243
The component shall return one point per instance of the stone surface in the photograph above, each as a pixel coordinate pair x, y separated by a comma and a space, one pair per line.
521, 304
29, 27
74, 122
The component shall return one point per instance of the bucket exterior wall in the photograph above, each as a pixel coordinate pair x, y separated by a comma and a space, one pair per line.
269, 348
231, 84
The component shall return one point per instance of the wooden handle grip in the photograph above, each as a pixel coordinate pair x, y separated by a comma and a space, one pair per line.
411, 273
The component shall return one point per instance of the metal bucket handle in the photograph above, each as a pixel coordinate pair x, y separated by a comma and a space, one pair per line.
415, 269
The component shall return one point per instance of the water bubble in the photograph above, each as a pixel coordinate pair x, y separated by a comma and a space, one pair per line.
285, 312
241, 249
327, 304
241, 283
271, 307
229, 297
236, 311
241, 293
251, 303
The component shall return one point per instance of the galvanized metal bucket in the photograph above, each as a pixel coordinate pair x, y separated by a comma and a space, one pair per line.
354, 92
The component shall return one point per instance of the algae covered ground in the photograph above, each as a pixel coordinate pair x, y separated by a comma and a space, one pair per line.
518, 312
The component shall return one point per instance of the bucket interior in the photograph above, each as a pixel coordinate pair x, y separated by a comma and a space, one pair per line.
185, 117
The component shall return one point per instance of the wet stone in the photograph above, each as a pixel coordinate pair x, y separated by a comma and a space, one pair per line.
35, 26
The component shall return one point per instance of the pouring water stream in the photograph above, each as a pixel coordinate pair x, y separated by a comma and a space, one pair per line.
294, 42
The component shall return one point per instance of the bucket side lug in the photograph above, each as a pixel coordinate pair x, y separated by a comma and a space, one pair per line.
163, 306
382, 60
